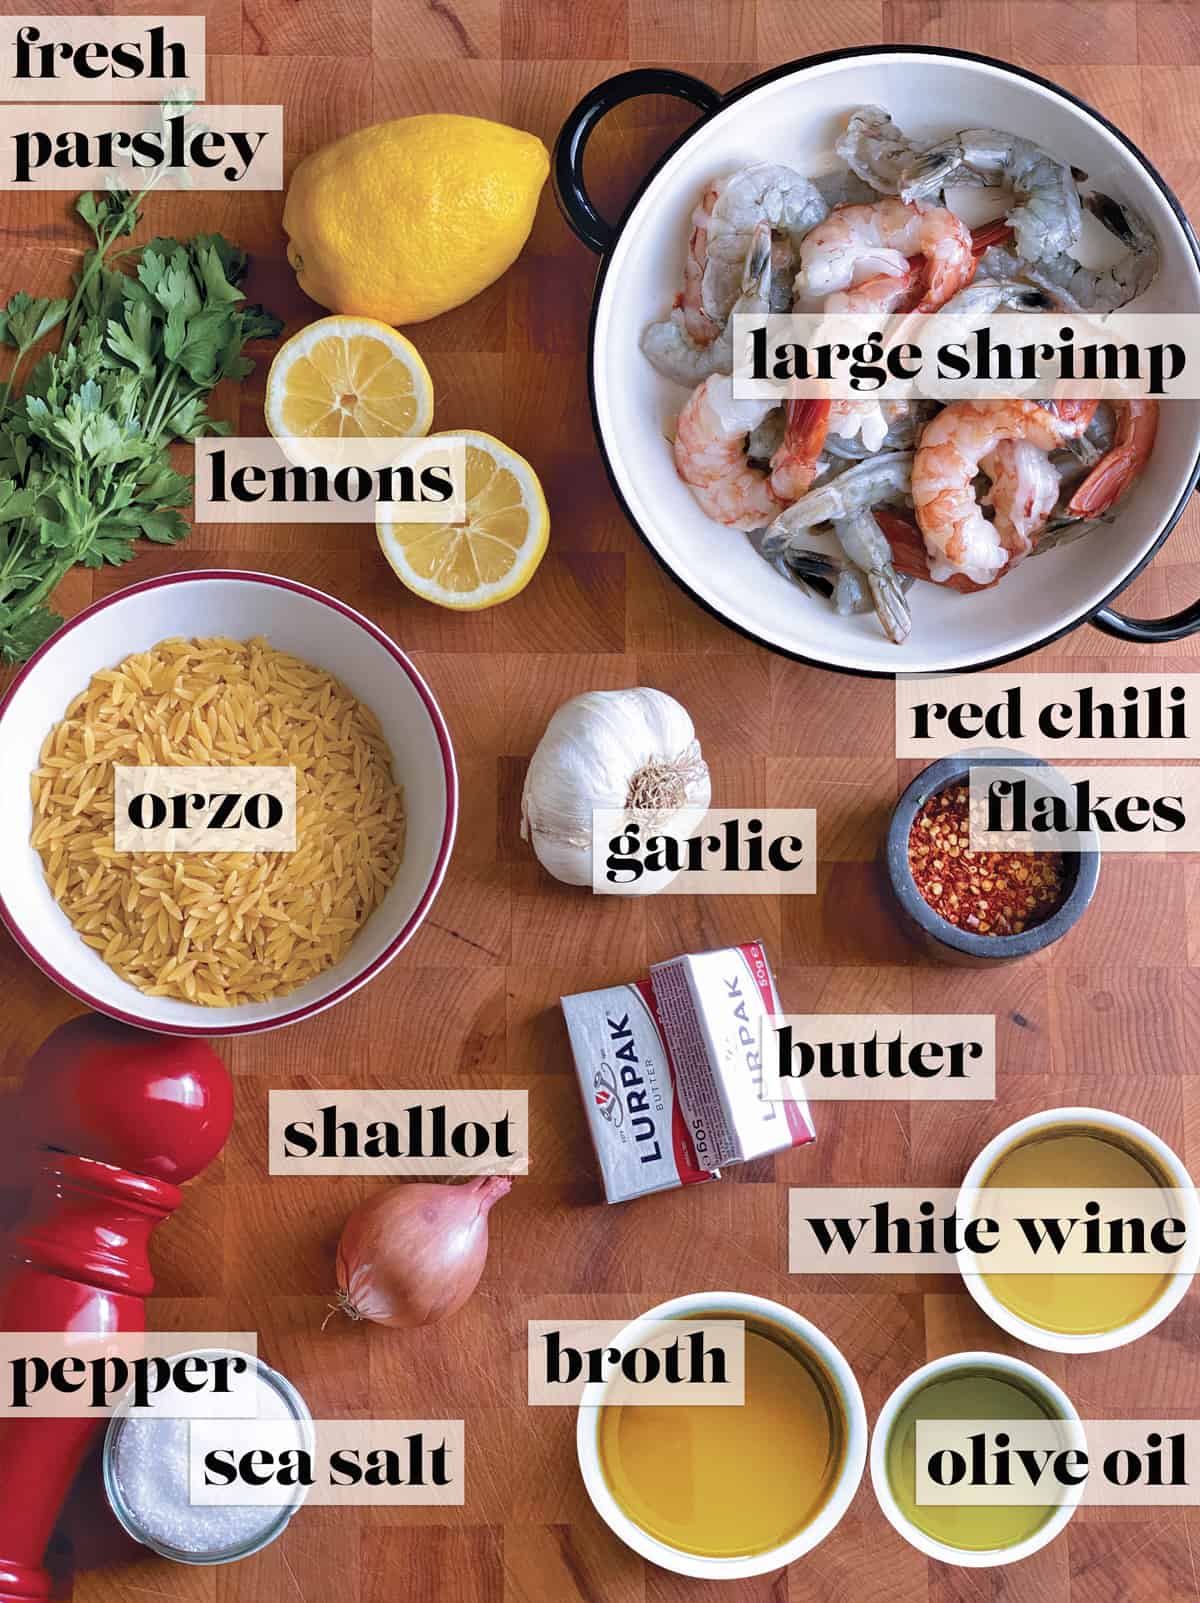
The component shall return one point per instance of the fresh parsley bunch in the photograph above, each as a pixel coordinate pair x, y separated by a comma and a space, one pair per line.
84, 464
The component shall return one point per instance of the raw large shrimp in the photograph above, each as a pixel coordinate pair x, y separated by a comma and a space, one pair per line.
722, 225
762, 193
702, 328
879, 478
866, 545
1088, 289
1025, 484
1024, 492
868, 420
953, 448
794, 464
858, 243
846, 502
712, 458
1045, 219
876, 150
673, 351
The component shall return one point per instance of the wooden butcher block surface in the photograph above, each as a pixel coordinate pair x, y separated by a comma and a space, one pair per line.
1107, 1018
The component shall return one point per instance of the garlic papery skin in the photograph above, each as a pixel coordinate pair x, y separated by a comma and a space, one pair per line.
611, 749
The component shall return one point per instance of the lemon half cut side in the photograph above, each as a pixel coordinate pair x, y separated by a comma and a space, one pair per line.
494, 553
348, 378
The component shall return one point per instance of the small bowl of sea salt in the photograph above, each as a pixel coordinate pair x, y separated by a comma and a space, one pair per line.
148, 1467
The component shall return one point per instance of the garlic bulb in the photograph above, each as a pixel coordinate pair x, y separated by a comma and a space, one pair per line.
609, 748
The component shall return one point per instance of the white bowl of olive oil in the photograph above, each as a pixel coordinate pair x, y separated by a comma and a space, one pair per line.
726, 1492
970, 1387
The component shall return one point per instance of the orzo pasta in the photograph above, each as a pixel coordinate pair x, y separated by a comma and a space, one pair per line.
221, 928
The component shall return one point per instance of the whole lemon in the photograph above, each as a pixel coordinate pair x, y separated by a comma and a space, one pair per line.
405, 219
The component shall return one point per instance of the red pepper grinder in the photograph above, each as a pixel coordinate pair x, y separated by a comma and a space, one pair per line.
119, 1117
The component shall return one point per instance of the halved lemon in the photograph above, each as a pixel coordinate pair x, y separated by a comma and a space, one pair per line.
348, 378
490, 557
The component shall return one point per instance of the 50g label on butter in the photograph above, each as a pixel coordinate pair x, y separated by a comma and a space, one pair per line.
234, 809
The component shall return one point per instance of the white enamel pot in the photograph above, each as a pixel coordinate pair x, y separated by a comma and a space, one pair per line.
793, 114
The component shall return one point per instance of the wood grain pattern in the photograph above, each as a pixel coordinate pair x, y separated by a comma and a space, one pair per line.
1108, 1018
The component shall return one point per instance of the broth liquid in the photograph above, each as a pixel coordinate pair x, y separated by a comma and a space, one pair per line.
728, 1482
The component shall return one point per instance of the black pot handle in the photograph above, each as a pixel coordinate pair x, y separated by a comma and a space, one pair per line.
572, 196
1149, 631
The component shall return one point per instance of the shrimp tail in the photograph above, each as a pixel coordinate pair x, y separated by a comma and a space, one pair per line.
891, 605
997, 232
794, 464
1137, 426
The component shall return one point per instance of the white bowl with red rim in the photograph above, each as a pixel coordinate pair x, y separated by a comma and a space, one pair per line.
238, 605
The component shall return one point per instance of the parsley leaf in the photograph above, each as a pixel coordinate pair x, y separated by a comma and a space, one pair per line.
25, 320
24, 632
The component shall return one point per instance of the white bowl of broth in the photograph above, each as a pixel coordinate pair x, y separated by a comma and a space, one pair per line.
726, 1492
1080, 1150
969, 1386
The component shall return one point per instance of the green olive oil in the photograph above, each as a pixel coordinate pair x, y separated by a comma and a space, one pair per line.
963, 1394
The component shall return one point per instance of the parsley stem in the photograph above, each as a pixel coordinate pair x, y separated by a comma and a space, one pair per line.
152, 422
125, 221
6, 393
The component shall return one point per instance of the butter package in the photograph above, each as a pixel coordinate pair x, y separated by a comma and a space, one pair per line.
712, 1006
670, 1069
628, 1086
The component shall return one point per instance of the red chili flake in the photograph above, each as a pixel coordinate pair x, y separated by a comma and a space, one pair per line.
985, 893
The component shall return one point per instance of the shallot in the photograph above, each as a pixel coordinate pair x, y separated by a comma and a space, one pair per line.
414, 1254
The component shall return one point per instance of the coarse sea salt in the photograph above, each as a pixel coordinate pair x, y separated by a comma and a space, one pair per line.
150, 1466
